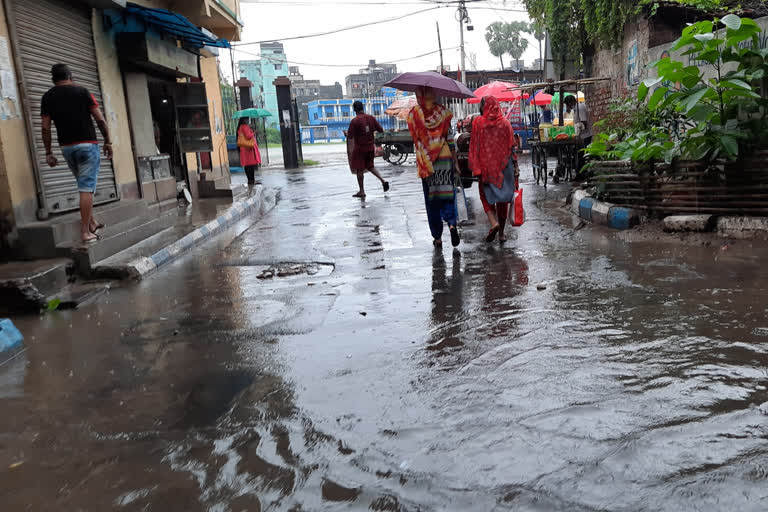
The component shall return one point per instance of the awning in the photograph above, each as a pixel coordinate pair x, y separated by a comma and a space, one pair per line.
176, 25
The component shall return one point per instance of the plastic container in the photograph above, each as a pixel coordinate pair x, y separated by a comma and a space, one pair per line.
544, 131
10, 336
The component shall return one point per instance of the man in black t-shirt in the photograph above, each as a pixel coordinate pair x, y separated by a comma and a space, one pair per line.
73, 109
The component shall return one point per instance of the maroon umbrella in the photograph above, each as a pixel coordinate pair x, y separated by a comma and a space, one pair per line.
442, 85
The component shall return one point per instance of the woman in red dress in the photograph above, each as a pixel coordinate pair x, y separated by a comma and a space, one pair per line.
490, 148
250, 157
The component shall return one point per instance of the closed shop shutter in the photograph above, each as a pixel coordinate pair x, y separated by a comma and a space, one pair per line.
50, 32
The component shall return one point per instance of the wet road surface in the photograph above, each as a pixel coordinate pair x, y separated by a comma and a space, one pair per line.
331, 359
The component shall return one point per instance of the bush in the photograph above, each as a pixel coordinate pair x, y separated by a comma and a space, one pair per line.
681, 114
273, 136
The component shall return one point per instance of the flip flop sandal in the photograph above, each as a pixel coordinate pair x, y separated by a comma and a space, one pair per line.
98, 228
492, 234
386, 186
455, 238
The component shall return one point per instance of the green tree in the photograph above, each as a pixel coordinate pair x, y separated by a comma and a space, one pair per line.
497, 36
518, 43
539, 32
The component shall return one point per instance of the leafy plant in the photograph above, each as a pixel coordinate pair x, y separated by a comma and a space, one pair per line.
698, 118
721, 107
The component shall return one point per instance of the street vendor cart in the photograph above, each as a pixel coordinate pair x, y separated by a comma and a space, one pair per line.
559, 140
396, 145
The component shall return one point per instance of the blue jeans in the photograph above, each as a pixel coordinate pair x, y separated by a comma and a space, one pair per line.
439, 211
83, 160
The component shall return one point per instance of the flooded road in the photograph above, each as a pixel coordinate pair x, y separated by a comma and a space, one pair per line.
331, 359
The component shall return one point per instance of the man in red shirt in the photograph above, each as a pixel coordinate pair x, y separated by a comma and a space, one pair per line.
361, 132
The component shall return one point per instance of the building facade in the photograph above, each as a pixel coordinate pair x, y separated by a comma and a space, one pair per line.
155, 75
369, 81
262, 73
305, 91
329, 118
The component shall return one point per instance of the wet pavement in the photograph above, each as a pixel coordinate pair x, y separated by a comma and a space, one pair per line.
331, 359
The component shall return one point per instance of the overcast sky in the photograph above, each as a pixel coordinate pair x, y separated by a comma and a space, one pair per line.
396, 40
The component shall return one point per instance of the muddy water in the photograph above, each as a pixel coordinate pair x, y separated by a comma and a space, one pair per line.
565, 370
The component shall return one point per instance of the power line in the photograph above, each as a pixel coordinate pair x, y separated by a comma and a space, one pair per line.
343, 29
274, 60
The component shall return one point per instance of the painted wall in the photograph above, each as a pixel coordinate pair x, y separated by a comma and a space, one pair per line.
624, 66
209, 69
115, 110
17, 179
273, 65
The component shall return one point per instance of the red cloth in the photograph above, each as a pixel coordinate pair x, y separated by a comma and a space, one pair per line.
362, 160
491, 144
249, 156
501, 209
362, 129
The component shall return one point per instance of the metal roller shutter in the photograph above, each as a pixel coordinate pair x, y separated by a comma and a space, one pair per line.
49, 32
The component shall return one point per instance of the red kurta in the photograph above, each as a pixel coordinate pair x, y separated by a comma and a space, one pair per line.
249, 156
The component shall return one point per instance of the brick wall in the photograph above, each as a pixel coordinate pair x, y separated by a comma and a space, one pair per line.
615, 64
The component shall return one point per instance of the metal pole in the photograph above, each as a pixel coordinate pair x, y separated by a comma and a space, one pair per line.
462, 17
234, 77
440, 45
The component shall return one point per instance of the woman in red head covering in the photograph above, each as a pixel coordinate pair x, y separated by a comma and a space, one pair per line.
490, 148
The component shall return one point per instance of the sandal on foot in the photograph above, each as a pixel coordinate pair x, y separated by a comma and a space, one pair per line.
455, 238
359, 195
492, 234
98, 228
386, 186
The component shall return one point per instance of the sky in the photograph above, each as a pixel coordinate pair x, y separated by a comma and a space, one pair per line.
330, 58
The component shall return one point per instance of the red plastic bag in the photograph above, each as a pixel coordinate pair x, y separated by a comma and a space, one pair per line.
516, 212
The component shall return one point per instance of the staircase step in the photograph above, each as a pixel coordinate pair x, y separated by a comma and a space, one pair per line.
41, 238
25, 285
87, 256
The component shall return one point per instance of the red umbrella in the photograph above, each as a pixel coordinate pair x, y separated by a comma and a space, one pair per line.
542, 98
500, 90
442, 85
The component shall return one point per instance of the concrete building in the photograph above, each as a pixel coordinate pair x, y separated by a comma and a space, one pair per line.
305, 91
155, 75
369, 81
329, 118
262, 73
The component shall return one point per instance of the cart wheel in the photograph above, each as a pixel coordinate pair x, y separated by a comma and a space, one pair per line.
399, 154
387, 153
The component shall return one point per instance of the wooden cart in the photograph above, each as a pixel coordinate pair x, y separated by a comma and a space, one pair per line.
397, 146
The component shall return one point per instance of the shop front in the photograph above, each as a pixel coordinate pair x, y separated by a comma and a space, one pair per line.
67, 37
167, 101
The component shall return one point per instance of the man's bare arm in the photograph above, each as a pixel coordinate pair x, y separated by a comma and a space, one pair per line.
47, 141
104, 129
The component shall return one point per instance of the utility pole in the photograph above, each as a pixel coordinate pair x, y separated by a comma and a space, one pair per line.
462, 15
234, 77
440, 45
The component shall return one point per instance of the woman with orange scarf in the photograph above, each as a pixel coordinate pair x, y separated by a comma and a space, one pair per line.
490, 148
430, 124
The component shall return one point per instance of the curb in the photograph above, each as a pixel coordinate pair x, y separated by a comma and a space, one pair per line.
605, 214
141, 267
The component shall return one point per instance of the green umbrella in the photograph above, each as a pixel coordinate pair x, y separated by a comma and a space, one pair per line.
252, 112
556, 97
